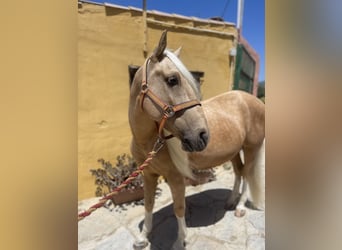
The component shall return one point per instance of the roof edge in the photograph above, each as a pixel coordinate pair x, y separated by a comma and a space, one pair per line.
160, 13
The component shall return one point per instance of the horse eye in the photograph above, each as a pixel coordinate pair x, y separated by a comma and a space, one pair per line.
172, 81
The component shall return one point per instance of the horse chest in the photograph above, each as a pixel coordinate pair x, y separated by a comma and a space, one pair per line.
209, 160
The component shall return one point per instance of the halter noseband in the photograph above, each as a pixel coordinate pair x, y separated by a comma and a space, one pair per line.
167, 109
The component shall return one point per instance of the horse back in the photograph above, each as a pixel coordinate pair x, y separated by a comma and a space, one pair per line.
237, 113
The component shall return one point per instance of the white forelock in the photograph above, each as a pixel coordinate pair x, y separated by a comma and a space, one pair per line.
185, 72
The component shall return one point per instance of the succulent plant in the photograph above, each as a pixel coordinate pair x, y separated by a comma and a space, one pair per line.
108, 177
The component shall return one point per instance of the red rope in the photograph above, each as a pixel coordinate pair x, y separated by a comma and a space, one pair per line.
122, 185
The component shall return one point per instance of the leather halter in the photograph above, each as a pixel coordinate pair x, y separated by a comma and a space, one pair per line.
168, 110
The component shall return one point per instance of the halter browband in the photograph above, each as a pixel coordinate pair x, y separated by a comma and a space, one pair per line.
167, 109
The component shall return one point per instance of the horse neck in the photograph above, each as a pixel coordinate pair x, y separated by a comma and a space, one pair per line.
142, 126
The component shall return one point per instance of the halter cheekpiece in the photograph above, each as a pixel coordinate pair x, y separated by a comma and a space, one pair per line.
168, 110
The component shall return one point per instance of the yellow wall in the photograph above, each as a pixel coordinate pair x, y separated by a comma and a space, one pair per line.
110, 39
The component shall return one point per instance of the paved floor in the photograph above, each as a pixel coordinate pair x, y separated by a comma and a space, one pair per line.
210, 226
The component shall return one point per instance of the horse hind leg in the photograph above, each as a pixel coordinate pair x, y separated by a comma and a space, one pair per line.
234, 197
150, 186
256, 177
240, 208
248, 178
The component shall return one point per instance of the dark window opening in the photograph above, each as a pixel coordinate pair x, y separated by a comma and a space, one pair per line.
244, 70
132, 69
198, 75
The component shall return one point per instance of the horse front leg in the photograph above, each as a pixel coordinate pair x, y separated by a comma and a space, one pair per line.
150, 185
177, 186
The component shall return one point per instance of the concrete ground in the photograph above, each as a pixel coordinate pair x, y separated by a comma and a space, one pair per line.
209, 225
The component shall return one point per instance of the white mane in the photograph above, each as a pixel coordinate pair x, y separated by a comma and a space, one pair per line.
185, 72
179, 156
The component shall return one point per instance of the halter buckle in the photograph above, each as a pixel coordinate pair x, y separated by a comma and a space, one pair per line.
169, 111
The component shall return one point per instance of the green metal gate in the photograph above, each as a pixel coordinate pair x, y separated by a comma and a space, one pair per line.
244, 70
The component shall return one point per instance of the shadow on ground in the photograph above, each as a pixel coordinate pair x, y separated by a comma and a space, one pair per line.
202, 209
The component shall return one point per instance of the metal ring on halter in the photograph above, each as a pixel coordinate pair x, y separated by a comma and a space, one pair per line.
169, 111
144, 88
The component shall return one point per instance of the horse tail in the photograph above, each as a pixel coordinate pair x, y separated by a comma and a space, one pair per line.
256, 179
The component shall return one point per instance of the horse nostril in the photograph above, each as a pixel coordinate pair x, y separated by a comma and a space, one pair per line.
187, 145
196, 141
186, 141
204, 137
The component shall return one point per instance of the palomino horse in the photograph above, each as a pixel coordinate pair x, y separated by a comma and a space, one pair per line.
206, 134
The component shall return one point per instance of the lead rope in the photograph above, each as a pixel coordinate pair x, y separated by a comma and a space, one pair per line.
157, 146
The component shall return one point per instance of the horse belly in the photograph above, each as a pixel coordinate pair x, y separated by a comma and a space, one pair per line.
204, 161
227, 134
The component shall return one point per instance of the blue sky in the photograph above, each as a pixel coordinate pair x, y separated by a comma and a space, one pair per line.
253, 19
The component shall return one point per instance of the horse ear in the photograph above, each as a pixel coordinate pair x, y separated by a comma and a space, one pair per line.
159, 51
178, 51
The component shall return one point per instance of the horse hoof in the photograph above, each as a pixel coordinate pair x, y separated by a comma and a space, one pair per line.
141, 244
240, 212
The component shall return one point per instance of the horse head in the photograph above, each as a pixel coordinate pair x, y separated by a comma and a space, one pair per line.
170, 96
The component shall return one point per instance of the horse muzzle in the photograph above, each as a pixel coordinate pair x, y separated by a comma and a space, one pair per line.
195, 142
